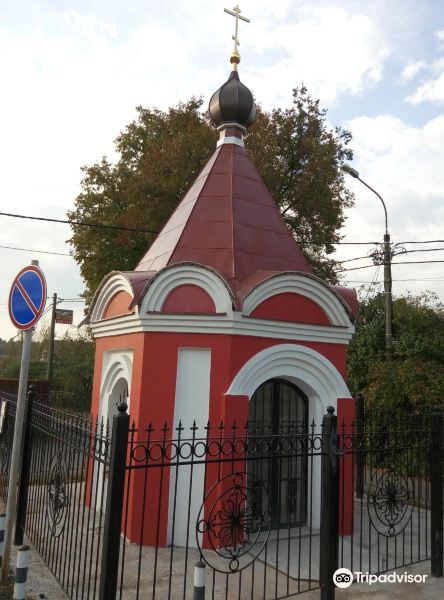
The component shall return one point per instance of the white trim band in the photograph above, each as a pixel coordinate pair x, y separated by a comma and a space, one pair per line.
222, 324
230, 139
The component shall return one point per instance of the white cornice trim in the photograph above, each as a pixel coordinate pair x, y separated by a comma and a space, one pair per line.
116, 283
296, 283
186, 274
311, 371
222, 324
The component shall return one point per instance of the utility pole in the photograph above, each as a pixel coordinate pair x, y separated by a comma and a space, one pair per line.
51, 341
386, 261
388, 304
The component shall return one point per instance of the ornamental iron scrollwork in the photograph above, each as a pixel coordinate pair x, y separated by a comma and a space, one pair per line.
234, 521
390, 502
57, 495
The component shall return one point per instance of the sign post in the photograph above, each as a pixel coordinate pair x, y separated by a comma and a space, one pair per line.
27, 300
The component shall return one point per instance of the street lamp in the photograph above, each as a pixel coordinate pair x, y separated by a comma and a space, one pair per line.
387, 262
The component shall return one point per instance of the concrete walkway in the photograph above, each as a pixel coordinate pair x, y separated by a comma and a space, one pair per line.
432, 589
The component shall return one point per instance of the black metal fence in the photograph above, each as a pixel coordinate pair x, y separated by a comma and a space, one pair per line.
62, 492
397, 509
126, 513
8, 404
239, 498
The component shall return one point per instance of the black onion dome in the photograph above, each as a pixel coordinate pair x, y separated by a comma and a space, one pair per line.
233, 104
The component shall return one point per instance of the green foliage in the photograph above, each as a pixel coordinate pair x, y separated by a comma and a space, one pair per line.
73, 369
413, 378
299, 156
162, 152
73, 365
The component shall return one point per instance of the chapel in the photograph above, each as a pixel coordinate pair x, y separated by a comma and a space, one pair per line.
222, 319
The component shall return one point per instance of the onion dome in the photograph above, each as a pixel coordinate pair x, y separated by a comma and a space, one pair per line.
233, 104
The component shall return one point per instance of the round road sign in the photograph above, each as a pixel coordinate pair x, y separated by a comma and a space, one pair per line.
27, 297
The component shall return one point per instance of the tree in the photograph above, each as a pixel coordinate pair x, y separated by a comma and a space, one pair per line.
413, 378
73, 365
161, 153
299, 158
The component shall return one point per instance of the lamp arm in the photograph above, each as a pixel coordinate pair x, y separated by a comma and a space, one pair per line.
382, 201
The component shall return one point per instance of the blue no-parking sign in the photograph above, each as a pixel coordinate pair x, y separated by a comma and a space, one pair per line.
27, 297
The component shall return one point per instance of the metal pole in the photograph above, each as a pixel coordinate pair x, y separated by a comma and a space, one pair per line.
436, 494
114, 505
2, 535
25, 471
388, 306
11, 506
329, 533
51, 341
359, 452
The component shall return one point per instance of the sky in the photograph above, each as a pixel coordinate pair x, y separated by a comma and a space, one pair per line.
73, 72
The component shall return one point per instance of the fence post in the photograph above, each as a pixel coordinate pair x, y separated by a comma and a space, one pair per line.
199, 580
360, 452
2, 535
25, 471
114, 505
21, 573
436, 493
329, 536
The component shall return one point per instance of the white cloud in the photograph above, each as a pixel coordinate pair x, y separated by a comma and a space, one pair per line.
430, 91
440, 35
71, 78
404, 165
412, 69
330, 50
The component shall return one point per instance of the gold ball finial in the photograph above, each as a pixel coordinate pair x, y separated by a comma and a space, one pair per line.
235, 59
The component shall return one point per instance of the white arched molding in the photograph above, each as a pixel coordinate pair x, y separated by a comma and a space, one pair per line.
116, 282
306, 286
312, 372
187, 274
117, 364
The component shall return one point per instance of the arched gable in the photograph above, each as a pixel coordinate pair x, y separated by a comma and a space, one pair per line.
308, 286
188, 299
118, 305
187, 274
111, 288
292, 308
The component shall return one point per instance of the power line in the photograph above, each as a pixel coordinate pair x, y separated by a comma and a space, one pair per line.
396, 280
36, 251
425, 242
139, 230
406, 252
410, 262
79, 223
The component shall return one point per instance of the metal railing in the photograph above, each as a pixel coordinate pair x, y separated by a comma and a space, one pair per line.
267, 513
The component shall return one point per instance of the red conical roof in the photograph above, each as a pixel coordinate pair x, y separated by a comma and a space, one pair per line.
228, 221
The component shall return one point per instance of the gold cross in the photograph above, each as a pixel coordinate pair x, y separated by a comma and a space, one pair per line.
236, 12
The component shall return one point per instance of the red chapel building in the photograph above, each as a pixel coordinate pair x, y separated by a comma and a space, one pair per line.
223, 319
